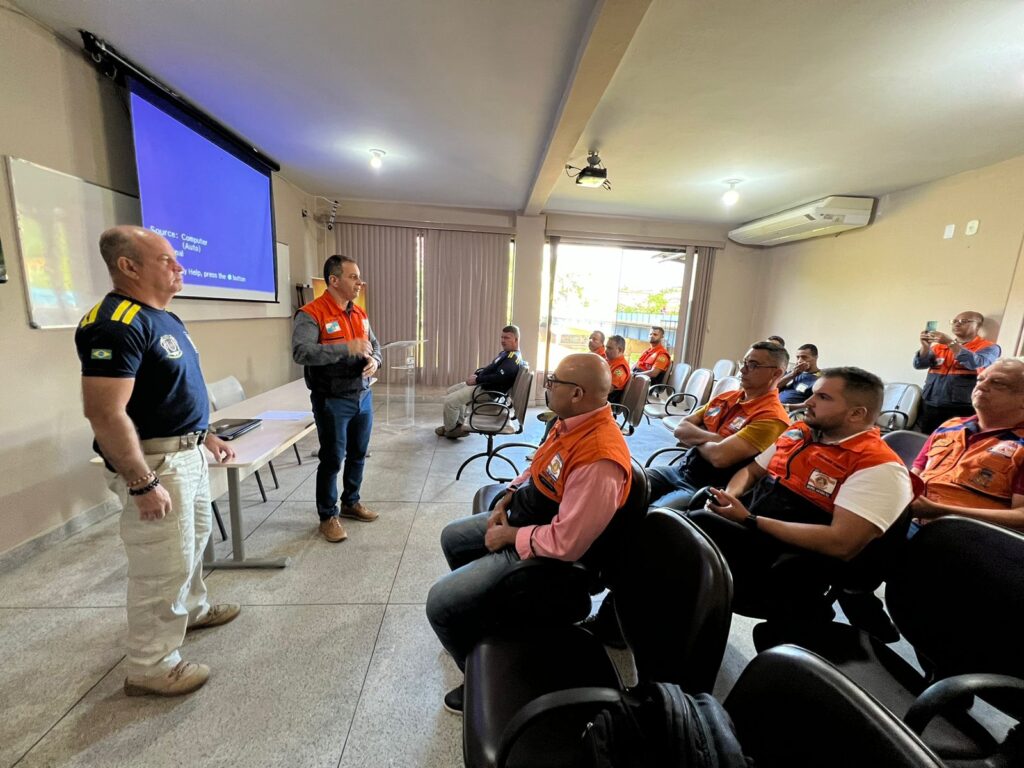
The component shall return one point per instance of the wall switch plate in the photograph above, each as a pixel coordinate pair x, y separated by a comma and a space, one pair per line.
971, 228
949, 232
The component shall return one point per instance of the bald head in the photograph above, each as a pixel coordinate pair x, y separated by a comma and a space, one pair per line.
592, 379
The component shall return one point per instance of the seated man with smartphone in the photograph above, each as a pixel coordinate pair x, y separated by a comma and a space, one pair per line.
827, 488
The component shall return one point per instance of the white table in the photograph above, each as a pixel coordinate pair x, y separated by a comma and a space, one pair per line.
253, 450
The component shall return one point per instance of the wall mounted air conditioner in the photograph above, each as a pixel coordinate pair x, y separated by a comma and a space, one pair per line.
828, 216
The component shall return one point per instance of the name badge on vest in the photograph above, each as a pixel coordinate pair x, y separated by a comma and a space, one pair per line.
821, 483
737, 424
554, 468
712, 412
984, 478
1004, 448
940, 360
332, 327
801, 388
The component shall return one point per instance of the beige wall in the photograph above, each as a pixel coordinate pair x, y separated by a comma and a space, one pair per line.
58, 113
864, 296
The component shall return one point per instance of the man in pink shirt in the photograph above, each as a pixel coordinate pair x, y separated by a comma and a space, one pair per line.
558, 508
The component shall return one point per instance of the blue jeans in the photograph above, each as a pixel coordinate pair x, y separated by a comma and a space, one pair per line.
670, 487
458, 606
343, 426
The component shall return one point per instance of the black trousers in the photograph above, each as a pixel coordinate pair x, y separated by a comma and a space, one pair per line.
771, 580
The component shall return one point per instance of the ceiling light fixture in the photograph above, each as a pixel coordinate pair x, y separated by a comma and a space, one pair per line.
593, 176
731, 196
377, 158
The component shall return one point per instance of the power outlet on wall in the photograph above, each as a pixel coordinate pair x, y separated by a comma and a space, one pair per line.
971, 228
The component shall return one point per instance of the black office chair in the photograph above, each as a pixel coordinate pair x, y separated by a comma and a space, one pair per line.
956, 595
906, 443
793, 709
672, 599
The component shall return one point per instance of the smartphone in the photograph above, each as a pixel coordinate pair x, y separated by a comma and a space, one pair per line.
931, 326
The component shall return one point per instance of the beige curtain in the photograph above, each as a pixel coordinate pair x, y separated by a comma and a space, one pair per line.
387, 261
465, 302
696, 328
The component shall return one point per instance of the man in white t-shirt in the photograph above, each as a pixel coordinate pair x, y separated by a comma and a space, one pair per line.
827, 488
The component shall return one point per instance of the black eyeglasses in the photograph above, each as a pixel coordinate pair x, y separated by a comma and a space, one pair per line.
550, 379
962, 322
751, 365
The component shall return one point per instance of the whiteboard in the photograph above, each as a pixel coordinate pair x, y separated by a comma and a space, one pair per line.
59, 221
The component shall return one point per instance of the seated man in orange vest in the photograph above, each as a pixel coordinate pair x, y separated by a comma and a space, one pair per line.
557, 508
826, 488
619, 367
974, 466
596, 344
656, 360
953, 363
728, 432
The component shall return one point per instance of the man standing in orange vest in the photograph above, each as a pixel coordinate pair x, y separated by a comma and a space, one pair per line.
332, 340
655, 361
828, 486
974, 466
953, 363
561, 507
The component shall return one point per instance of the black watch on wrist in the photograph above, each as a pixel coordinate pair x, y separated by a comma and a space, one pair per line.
750, 521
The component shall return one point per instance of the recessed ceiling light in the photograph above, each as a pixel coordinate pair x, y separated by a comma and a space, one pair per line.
377, 158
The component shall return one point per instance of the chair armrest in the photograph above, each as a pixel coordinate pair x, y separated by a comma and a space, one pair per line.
660, 390
543, 591
959, 692
587, 701
896, 412
657, 453
488, 395
680, 397
499, 409
621, 415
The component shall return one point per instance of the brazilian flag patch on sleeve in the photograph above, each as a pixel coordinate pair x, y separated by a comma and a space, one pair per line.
101, 354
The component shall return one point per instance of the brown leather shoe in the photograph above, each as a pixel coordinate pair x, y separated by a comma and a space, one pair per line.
440, 431
184, 678
358, 512
333, 530
218, 614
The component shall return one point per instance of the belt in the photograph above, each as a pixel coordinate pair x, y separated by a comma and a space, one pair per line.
172, 444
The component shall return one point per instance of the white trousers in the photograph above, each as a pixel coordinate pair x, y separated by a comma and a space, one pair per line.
459, 396
165, 561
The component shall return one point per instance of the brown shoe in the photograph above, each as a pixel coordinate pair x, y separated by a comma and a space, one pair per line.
333, 530
455, 434
358, 512
184, 678
440, 431
217, 615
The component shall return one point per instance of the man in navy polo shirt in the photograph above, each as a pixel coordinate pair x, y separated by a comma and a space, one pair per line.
795, 386
144, 395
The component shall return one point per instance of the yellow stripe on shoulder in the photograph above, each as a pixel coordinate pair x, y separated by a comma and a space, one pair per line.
130, 314
90, 316
121, 308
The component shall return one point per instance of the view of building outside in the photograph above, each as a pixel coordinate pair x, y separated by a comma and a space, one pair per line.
614, 290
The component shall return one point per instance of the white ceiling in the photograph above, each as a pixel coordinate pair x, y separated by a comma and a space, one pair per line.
473, 99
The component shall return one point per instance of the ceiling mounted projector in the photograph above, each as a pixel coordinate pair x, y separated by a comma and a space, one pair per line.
593, 176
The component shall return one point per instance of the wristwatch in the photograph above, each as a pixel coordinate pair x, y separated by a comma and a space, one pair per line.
750, 521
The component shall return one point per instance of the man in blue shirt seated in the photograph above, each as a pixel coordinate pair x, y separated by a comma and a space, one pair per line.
795, 386
498, 376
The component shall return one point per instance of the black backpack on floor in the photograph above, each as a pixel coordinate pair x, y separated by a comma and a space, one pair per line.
657, 724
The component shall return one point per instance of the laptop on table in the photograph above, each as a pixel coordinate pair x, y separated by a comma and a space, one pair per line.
229, 429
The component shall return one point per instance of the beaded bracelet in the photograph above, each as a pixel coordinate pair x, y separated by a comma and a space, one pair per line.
141, 480
146, 488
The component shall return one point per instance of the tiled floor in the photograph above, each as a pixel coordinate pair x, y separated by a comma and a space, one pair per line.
332, 662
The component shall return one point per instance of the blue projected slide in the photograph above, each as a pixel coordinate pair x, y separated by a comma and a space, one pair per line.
214, 208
